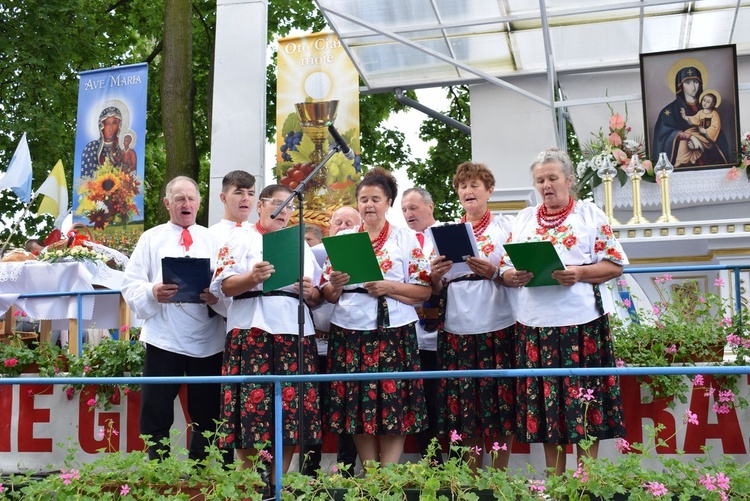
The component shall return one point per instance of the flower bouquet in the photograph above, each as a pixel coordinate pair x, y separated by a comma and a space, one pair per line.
68, 254
614, 146
743, 161
110, 358
108, 196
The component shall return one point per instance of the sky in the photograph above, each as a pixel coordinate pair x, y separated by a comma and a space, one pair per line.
407, 122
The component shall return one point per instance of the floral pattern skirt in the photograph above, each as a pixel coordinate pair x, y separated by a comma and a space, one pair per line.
386, 407
565, 410
247, 409
476, 407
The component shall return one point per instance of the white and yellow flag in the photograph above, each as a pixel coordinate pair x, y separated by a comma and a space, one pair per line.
55, 191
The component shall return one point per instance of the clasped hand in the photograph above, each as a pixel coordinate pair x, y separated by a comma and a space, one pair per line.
163, 293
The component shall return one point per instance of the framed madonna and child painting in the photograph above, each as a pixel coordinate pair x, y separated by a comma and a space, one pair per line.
690, 104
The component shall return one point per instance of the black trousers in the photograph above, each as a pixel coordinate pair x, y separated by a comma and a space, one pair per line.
347, 450
428, 359
157, 400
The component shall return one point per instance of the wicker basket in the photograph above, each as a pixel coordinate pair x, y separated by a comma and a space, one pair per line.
72, 239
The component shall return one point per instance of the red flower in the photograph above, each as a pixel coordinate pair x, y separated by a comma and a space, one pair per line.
288, 393
589, 346
409, 420
569, 241
613, 252
412, 268
340, 390
599, 246
531, 424
532, 352
487, 249
386, 265
389, 385
547, 389
227, 396
349, 357
453, 405
257, 395
595, 417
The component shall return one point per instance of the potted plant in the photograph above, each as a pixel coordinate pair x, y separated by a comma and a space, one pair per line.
110, 358
15, 357
626, 478
687, 327
121, 475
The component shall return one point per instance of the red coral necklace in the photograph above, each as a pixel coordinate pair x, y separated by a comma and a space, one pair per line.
481, 225
379, 241
550, 220
260, 229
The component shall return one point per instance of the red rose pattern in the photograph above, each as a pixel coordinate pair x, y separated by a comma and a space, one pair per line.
458, 399
247, 409
548, 408
388, 407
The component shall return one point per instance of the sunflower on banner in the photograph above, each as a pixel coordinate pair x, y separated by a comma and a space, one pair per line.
107, 196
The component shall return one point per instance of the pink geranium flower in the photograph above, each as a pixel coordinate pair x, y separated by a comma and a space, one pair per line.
656, 489
690, 417
455, 437
124, 490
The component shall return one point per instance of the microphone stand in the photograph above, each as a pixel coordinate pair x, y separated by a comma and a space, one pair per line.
299, 194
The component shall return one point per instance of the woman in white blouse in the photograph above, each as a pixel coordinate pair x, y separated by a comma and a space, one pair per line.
263, 337
565, 325
373, 330
478, 329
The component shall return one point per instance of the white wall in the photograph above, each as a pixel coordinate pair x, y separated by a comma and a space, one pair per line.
507, 131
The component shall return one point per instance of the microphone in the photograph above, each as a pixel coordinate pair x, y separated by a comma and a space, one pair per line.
343, 147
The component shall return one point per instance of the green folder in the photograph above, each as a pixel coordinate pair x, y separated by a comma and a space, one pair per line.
540, 258
281, 249
353, 254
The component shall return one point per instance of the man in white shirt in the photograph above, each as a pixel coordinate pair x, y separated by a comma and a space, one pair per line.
418, 210
238, 196
180, 338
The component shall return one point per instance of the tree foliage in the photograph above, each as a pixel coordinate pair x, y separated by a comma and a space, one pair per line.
46, 44
450, 149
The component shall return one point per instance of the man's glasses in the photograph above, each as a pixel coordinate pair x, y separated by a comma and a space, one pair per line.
277, 203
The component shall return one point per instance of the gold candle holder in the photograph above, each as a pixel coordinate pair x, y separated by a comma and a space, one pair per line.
606, 173
635, 171
663, 169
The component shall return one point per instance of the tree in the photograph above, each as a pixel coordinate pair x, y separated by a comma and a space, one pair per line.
46, 44
452, 147
178, 92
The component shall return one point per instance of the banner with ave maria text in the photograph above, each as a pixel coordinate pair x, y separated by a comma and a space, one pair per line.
110, 147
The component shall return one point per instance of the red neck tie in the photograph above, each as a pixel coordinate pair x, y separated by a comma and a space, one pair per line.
185, 239
420, 237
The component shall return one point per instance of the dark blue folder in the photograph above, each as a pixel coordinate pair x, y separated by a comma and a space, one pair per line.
191, 274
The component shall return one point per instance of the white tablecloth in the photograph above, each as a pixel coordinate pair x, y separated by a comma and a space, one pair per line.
31, 277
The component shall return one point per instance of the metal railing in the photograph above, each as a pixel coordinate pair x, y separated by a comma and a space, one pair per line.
277, 381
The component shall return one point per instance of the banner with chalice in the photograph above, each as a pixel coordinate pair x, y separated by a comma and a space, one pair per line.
317, 84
